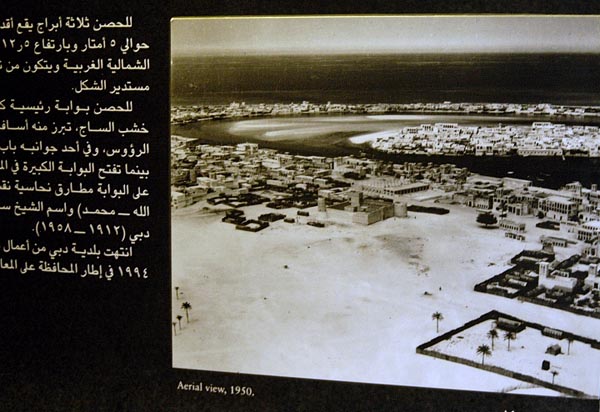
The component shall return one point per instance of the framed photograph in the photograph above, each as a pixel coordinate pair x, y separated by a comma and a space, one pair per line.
398, 200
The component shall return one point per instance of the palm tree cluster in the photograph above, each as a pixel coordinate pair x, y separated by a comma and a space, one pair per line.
485, 350
186, 306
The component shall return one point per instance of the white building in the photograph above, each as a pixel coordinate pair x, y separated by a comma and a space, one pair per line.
558, 207
558, 279
588, 230
592, 281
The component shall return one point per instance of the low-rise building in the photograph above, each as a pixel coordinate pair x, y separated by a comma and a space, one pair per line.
558, 279
373, 211
512, 226
558, 207
588, 230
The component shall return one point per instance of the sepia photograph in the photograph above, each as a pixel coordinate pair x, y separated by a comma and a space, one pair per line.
407, 200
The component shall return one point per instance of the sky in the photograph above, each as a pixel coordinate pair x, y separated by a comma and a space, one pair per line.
386, 34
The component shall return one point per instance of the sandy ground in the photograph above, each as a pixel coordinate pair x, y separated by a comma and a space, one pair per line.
369, 127
345, 302
371, 137
285, 128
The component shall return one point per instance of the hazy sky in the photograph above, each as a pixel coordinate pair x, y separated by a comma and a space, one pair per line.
406, 34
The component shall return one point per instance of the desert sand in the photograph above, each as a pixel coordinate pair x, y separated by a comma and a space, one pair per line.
345, 302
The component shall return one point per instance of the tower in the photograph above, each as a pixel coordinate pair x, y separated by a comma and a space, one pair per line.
322, 205
356, 199
400, 208
593, 270
543, 270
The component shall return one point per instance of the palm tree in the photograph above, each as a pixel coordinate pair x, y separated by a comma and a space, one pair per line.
174, 328
554, 373
177, 292
186, 306
492, 334
484, 350
437, 316
179, 317
508, 336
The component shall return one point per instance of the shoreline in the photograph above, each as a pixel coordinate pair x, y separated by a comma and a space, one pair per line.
551, 172
593, 119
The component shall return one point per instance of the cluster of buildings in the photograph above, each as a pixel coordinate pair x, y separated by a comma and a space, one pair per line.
570, 217
571, 284
573, 207
201, 171
195, 113
539, 139
363, 191
204, 170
